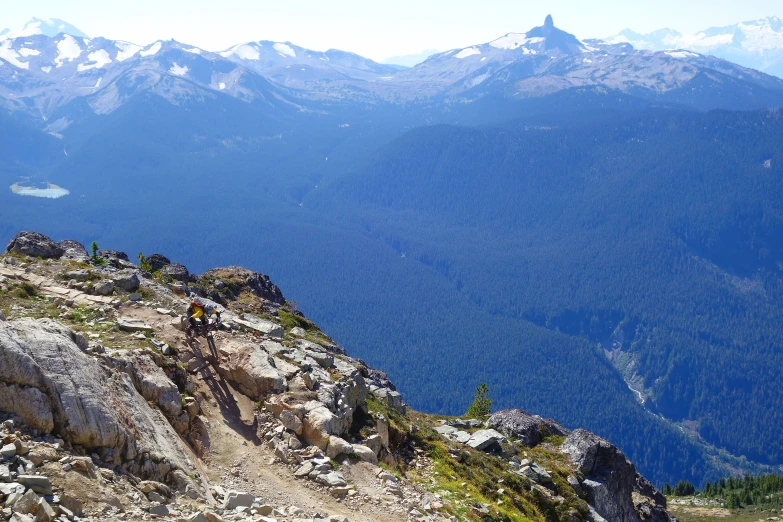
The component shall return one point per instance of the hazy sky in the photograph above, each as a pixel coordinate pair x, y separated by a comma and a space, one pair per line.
376, 29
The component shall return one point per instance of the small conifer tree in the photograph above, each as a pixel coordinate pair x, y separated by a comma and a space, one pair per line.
482, 404
144, 263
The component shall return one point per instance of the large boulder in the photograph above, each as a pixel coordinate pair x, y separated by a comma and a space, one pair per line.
48, 381
251, 368
158, 261
34, 244
488, 441
528, 429
116, 259
127, 280
176, 271
73, 251
318, 424
610, 479
260, 325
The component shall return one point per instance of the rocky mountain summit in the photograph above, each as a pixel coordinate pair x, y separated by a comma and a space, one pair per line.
109, 411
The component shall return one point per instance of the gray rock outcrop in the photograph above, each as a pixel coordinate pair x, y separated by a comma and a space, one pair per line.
251, 368
52, 385
127, 280
176, 271
609, 479
528, 429
35, 245
158, 261
258, 284
73, 251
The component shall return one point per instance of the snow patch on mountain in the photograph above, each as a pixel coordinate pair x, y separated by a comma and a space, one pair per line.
126, 50
470, 51
68, 49
95, 60
284, 49
152, 50
513, 41
24, 51
194, 50
47, 68
244, 52
10, 55
178, 70
681, 54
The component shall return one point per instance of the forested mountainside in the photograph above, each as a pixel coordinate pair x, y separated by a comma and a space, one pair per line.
650, 240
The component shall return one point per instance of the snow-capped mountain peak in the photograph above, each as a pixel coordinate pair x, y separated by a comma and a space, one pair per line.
48, 27
757, 43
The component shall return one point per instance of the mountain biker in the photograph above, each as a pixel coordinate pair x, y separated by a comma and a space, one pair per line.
197, 310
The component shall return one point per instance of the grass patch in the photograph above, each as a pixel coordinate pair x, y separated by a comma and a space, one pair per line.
289, 321
24, 290
467, 476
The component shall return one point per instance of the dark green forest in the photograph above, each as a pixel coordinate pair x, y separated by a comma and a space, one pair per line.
517, 254
761, 491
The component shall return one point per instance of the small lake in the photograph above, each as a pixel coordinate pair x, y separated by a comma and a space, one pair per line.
51, 191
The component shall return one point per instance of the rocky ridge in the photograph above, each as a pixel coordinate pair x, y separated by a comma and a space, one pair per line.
112, 412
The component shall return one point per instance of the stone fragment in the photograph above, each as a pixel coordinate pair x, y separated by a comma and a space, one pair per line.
130, 324
38, 483
291, 421
235, 499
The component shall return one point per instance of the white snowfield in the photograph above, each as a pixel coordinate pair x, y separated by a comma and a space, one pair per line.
178, 70
243, 52
10, 55
96, 60
284, 49
152, 50
68, 49
514, 41
681, 54
126, 50
470, 51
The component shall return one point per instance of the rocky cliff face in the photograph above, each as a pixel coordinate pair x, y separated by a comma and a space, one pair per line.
112, 411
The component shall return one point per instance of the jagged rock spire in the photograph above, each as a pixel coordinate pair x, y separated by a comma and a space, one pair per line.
548, 22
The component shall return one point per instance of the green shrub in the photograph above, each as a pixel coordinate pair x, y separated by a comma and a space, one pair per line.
482, 404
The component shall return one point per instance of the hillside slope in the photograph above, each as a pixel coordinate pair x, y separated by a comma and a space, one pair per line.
109, 409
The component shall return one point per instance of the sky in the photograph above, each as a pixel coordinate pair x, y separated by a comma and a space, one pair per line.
372, 28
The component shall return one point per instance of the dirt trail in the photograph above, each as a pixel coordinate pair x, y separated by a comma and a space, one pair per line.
236, 458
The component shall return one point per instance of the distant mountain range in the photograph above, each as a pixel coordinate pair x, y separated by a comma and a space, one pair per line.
45, 73
410, 60
757, 44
